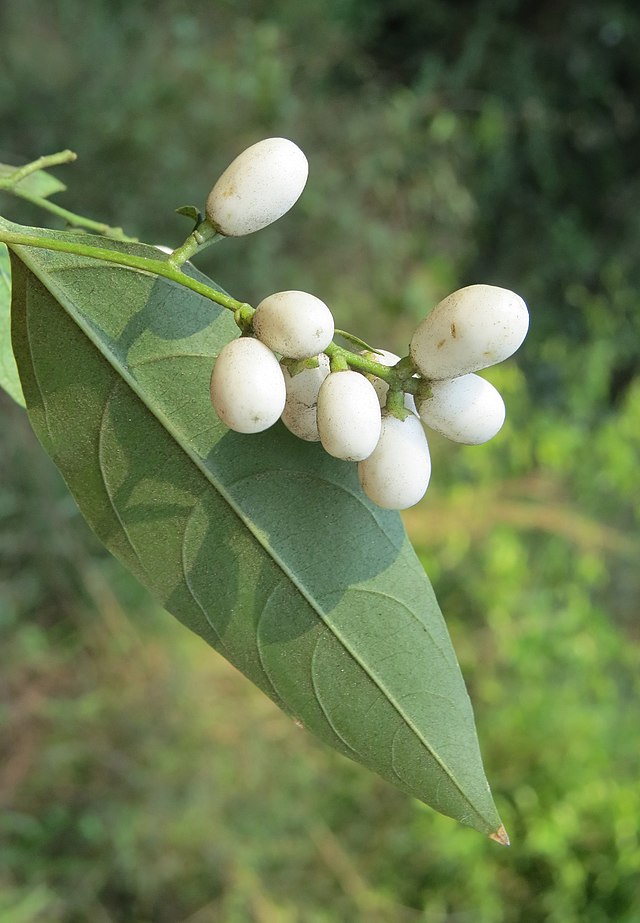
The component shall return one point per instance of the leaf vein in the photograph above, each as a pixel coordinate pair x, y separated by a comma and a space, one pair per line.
187, 579
321, 706
101, 436
263, 665
36, 377
404, 606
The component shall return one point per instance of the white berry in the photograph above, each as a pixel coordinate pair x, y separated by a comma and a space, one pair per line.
300, 411
247, 386
348, 416
295, 324
396, 475
471, 329
258, 187
466, 409
384, 357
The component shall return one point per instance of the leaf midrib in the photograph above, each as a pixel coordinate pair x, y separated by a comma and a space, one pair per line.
123, 371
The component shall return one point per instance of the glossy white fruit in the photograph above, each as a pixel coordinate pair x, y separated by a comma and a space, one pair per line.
384, 357
295, 324
471, 329
258, 187
396, 474
466, 409
300, 410
348, 416
247, 386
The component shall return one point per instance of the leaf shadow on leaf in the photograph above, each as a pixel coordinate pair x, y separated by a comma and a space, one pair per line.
159, 318
309, 513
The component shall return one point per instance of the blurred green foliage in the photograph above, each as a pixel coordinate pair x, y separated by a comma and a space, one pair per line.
142, 780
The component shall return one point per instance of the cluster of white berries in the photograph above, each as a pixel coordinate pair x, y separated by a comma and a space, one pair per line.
279, 369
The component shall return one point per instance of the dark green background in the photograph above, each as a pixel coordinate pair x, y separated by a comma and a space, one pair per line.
142, 780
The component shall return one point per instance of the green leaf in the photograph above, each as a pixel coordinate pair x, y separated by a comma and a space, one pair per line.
9, 378
264, 545
40, 183
190, 211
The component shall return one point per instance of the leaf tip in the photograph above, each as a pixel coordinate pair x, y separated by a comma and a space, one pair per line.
500, 836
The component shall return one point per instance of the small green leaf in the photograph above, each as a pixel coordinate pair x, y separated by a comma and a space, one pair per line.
357, 341
9, 378
40, 183
264, 545
190, 211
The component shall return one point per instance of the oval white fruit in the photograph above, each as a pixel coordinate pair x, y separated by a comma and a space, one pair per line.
396, 474
247, 386
470, 329
295, 324
348, 416
466, 409
258, 187
300, 414
385, 357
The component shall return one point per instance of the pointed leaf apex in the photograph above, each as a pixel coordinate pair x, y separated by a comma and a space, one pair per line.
500, 836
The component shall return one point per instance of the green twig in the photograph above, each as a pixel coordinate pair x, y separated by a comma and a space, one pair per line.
71, 218
48, 160
405, 368
340, 358
157, 267
11, 184
395, 404
202, 236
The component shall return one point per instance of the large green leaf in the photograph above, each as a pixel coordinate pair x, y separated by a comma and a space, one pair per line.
9, 378
264, 545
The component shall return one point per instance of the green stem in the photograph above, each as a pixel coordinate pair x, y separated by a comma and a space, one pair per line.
395, 404
48, 160
157, 267
243, 316
344, 358
71, 218
340, 358
411, 385
337, 358
11, 184
202, 236
406, 368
